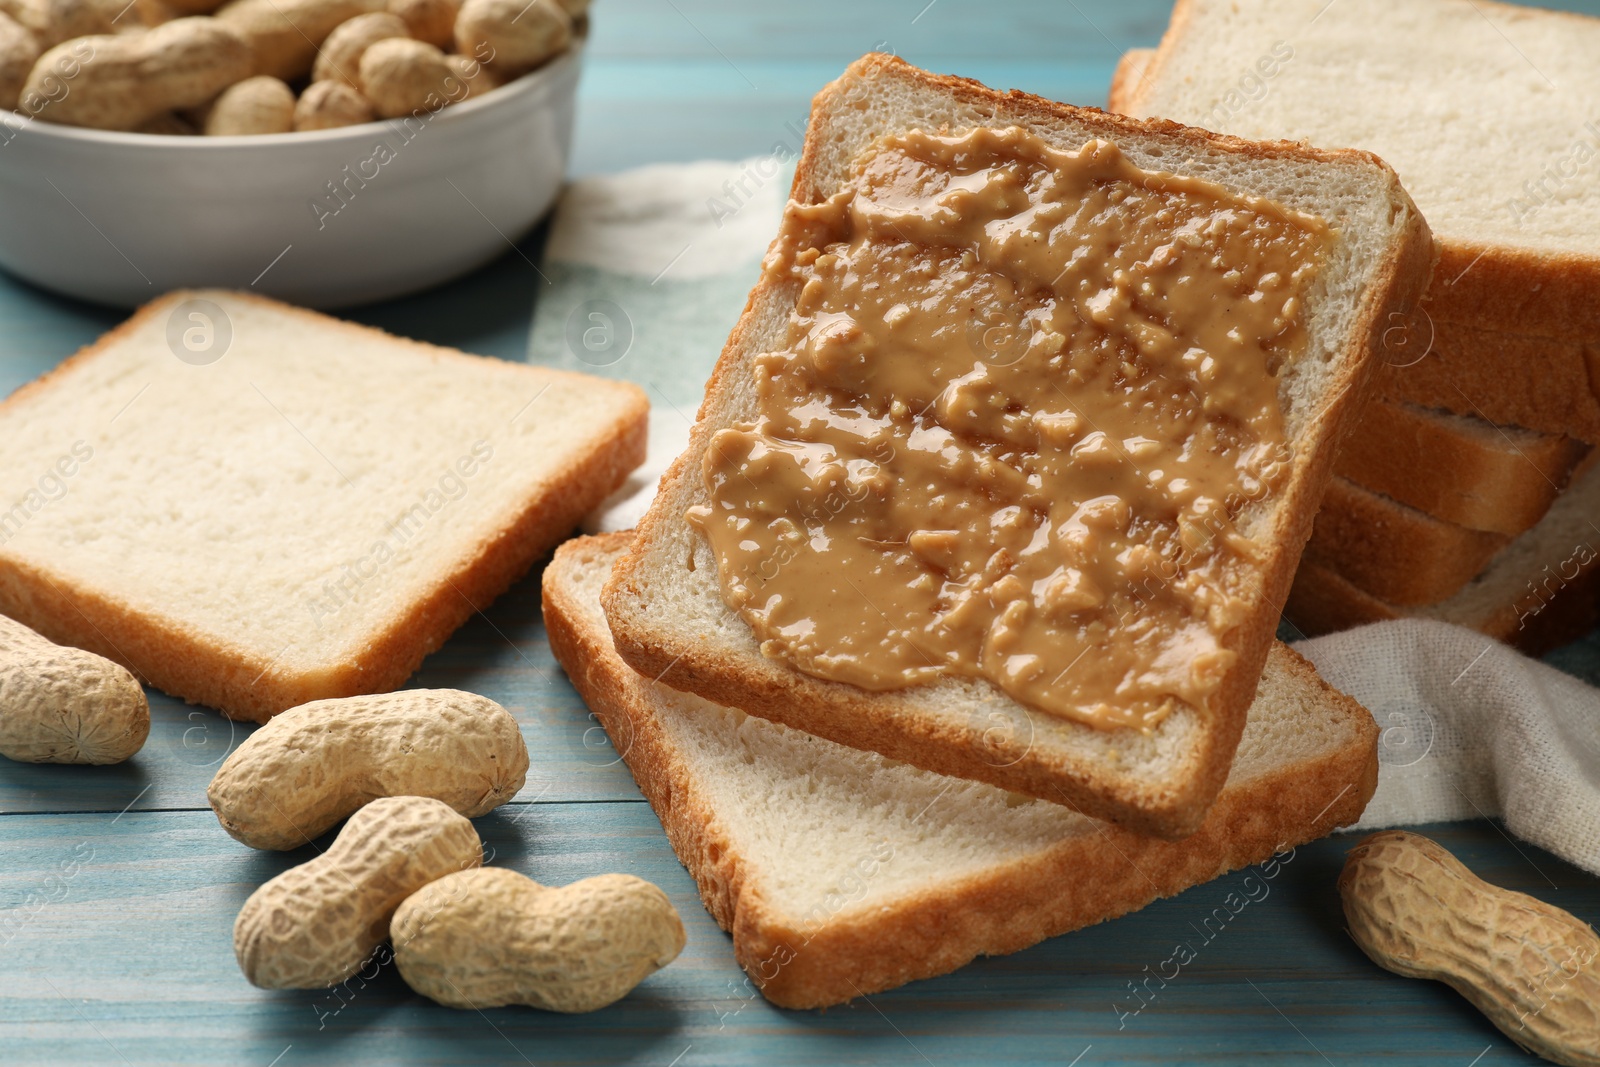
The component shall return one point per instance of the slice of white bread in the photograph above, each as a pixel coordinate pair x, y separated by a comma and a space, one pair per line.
840, 873
1537, 592
1486, 110
667, 611
1504, 378
1458, 468
1126, 79
1395, 552
264, 506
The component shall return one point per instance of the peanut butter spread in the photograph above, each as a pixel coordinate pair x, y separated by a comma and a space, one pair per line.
1024, 397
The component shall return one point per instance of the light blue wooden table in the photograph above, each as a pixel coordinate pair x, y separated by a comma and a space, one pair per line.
118, 890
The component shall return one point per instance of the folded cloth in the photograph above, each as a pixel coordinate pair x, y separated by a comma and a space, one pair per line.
648, 271
1472, 728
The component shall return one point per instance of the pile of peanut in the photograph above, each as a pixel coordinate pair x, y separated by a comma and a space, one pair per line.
409, 769
244, 67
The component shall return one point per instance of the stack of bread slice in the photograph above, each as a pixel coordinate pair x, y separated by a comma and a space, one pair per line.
1463, 492
853, 839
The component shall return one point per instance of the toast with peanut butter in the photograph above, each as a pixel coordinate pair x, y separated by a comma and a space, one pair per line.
1537, 383
1005, 469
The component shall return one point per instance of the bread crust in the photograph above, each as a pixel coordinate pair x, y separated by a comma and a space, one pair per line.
206, 669
1322, 601
1394, 552
1504, 378
1126, 79
1493, 481
1551, 295
890, 723
870, 949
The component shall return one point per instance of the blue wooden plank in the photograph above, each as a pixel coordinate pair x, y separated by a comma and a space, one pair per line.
725, 79
487, 312
116, 948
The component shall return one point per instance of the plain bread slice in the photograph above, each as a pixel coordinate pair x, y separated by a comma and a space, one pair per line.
253, 506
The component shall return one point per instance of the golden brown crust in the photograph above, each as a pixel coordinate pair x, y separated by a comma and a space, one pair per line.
1322, 602
1504, 378
1394, 552
889, 724
1494, 481
1553, 295
1075, 883
1127, 78
202, 669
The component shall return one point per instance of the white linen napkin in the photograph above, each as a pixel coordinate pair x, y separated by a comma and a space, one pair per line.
1471, 728
648, 271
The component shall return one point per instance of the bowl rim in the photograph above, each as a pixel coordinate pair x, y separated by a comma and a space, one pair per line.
531, 82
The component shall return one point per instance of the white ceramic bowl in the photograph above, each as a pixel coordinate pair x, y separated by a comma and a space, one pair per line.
325, 219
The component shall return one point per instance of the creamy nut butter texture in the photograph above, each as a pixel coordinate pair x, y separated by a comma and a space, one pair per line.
1024, 397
